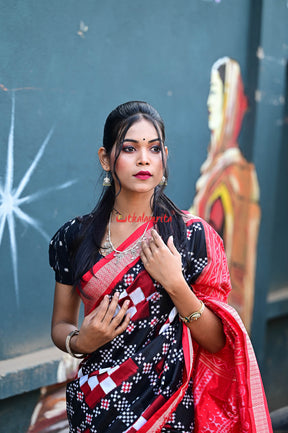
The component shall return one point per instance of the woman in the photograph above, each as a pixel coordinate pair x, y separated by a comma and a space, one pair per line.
227, 191
163, 352
227, 105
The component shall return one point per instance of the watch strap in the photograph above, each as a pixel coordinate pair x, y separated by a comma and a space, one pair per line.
193, 316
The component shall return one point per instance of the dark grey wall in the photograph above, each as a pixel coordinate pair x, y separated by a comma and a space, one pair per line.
159, 51
270, 155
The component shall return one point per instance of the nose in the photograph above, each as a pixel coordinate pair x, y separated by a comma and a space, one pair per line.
143, 158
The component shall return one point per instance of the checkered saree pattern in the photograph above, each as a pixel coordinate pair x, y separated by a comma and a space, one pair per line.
153, 378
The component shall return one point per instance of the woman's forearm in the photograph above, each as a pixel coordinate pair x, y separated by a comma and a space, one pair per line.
208, 329
99, 327
59, 333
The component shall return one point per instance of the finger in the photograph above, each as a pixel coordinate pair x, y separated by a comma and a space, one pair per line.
101, 309
143, 258
112, 308
171, 246
117, 319
146, 250
121, 328
157, 238
154, 249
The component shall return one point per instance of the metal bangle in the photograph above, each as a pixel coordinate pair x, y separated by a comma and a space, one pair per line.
68, 347
193, 316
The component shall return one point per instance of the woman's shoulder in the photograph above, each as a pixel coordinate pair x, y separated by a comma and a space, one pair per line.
61, 248
190, 219
197, 224
68, 232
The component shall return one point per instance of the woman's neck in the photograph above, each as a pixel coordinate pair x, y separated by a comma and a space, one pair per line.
136, 205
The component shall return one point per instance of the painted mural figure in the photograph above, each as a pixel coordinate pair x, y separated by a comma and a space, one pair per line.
227, 192
161, 349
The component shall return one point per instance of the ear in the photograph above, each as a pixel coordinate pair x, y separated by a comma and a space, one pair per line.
104, 159
166, 151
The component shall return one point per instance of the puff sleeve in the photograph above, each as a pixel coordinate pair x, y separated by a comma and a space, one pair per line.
60, 252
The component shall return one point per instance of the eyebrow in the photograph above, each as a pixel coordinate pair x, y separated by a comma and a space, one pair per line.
136, 141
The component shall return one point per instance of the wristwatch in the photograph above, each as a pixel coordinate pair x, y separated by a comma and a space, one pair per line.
193, 316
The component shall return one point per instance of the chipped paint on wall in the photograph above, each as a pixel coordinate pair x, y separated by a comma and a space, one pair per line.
82, 29
262, 56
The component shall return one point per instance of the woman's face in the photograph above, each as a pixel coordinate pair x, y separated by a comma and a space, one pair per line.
139, 165
215, 102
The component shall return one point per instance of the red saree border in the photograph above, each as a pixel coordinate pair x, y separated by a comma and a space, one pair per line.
129, 241
109, 270
251, 404
116, 280
213, 286
243, 386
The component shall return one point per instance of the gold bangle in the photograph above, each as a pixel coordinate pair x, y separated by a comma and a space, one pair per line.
193, 316
68, 347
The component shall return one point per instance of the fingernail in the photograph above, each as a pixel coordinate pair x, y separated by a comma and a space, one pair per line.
127, 303
117, 294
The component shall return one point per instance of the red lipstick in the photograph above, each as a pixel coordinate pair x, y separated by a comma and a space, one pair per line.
143, 174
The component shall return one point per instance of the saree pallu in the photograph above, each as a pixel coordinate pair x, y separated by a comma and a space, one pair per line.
153, 377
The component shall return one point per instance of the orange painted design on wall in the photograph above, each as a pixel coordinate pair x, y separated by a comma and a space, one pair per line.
227, 192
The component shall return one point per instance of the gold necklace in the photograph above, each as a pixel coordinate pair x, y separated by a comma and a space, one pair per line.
133, 250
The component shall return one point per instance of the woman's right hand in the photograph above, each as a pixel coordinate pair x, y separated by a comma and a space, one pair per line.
101, 325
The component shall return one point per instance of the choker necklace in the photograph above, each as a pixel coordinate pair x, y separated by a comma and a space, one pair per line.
108, 246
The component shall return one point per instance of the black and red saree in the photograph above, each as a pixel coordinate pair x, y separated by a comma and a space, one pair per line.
153, 377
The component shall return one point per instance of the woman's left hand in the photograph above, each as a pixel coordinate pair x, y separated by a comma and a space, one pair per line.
161, 261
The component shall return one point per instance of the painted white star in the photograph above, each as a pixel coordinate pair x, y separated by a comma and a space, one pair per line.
11, 198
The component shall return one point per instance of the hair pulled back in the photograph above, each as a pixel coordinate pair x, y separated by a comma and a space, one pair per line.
93, 230
121, 119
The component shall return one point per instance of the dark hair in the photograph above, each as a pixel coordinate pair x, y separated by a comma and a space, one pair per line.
89, 240
222, 72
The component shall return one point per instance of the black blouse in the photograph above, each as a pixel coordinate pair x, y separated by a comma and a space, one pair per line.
60, 250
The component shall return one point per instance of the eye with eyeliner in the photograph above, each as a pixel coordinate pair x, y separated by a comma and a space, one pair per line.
156, 149
130, 148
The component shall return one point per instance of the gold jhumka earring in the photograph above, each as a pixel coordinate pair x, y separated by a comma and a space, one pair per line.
163, 181
107, 180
